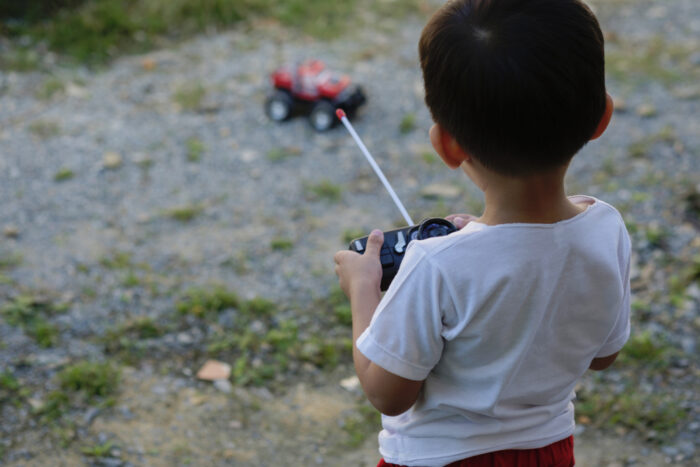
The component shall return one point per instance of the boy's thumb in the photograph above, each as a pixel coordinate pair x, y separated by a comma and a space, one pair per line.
374, 242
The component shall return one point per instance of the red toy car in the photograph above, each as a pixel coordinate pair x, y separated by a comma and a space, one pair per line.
311, 88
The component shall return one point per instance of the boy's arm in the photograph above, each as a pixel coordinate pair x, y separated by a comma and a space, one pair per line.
360, 276
389, 393
598, 364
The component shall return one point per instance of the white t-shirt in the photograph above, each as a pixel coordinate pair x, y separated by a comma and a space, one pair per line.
500, 321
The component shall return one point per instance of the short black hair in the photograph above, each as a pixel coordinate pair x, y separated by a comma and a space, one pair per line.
520, 84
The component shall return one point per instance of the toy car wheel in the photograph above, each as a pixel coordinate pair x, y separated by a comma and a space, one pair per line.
322, 116
278, 106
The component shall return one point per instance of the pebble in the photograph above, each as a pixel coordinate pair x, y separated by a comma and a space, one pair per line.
223, 385
111, 160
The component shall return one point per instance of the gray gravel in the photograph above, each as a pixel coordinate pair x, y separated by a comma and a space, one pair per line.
123, 133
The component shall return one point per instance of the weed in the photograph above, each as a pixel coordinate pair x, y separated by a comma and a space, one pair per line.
280, 154
63, 174
632, 409
131, 279
657, 236
642, 147
206, 302
9, 260
117, 260
359, 424
325, 190
281, 244
259, 306
49, 88
98, 450
20, 59
647, 349
351, 234
195, 149
429, 158
94, 379
44, 129
189, 97
30, 314
185, 213
54, 406
408, 123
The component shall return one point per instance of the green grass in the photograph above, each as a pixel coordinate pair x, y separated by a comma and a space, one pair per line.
185, 213
94, 379
30, 314
49, 88
282, 153
63, 174
97, 31
9, 260
408, 123
203, 302
44, 129
195, 149
324, 190
189, 97
653, 59
646, 349
632, 409
281, 244
98, 450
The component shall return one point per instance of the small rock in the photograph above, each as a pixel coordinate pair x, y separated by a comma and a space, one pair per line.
111, 160
620, 105
149, 64
646, 110
223, 385
184, 338
351, 383
90, 415
73, 90
687, 92
441, 190
11, 231
214, 370
235, 424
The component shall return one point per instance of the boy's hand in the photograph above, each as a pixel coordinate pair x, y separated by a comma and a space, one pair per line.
460, 220
355, 270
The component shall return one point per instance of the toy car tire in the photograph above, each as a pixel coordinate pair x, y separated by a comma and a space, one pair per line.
322, 116
278, 106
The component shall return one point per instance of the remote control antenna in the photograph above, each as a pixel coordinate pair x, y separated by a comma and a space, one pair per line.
343, 118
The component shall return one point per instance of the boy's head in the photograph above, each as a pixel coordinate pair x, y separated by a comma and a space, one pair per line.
519, 84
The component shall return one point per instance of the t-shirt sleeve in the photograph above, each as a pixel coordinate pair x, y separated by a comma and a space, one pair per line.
405, 334
621, 331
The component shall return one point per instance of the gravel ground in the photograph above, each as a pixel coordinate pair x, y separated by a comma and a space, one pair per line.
122, 188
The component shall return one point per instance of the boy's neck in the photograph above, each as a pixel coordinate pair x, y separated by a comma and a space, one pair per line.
536, 199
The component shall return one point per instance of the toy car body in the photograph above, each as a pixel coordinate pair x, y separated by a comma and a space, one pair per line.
311, 88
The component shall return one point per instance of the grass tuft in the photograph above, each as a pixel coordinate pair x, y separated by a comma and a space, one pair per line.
91, 378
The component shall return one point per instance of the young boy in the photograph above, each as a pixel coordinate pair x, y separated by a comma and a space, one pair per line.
473, 353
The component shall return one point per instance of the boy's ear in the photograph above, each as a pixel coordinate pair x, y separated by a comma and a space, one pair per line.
447, 147
605, 119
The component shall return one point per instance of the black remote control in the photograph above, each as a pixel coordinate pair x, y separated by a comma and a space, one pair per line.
396, 241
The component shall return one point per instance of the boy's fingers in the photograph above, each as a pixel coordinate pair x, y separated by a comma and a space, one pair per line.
374, 243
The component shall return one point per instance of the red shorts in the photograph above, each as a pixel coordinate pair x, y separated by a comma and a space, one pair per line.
559, 454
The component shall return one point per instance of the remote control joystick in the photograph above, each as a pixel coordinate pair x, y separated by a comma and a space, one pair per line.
396, 241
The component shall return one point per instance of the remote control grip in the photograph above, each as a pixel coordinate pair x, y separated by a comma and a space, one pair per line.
391, 254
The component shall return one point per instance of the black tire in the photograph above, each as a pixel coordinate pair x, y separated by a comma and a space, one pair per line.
278, 106
322, 116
